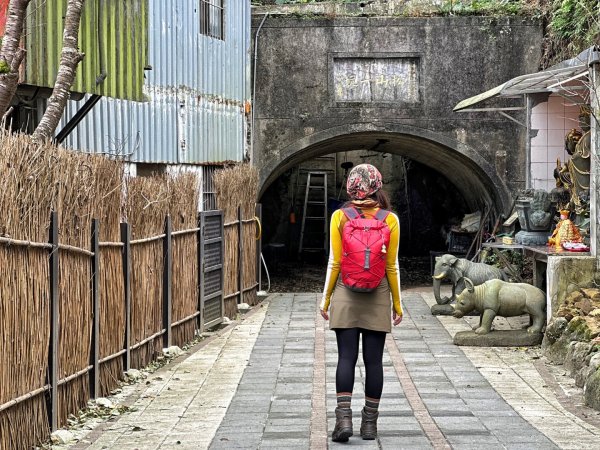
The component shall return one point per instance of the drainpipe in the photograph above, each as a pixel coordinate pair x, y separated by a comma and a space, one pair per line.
594, 69
254, 87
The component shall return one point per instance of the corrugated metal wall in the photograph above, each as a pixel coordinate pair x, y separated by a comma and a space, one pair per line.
196, 90
113, 36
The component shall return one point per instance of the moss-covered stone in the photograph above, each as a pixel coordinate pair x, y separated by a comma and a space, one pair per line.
576, 357
579, 329
557, 351
554, 330
591, 392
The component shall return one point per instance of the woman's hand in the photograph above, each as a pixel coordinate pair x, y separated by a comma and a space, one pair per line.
324, 314
396, 318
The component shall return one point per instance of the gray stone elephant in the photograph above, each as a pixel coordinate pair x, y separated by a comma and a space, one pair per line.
456, 269
501, 298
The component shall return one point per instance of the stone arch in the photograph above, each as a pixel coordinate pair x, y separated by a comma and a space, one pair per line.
473, 175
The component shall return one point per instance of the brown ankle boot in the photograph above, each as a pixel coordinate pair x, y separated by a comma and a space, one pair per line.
368, 426
343, 425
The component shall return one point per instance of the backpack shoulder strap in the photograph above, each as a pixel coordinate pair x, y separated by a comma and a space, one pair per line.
351, 213
381, 214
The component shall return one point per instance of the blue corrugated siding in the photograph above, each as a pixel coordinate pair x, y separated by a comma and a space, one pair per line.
196, 90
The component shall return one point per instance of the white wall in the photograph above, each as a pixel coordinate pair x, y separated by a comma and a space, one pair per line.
553, 120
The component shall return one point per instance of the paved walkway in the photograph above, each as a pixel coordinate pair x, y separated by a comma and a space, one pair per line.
269, 382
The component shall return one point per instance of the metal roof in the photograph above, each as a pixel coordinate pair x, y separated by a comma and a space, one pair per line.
113, 35
196, 93
549, 80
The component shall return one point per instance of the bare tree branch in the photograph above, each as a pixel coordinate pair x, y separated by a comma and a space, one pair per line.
11, 55
70, 58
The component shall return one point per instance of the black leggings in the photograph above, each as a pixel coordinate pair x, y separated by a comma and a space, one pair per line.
372, 346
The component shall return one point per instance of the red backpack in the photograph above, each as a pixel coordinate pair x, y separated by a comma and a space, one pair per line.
364, 248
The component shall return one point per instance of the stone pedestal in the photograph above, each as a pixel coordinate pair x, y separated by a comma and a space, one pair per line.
498, 338
532, 237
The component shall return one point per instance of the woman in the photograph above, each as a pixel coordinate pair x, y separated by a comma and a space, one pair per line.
352, 313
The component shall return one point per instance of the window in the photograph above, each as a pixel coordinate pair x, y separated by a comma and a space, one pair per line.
212, 18
150, 169
209, 198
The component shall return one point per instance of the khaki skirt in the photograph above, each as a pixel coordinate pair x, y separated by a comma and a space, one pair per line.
368, 310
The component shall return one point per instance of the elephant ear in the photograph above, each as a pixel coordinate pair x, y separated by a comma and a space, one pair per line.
453, 260
469, 284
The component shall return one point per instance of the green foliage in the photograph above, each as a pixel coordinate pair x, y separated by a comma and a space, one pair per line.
519, 263
434, 8
574, 26
484, 7
296, 2
4, 68
514, 257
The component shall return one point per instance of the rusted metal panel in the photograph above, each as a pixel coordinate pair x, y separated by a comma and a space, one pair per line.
113, 36
196, 93
3, 13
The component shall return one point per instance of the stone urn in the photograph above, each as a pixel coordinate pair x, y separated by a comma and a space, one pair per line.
535, 218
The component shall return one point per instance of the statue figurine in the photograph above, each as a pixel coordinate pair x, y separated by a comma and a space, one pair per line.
565, 231
540, 216
501, 298
571, 140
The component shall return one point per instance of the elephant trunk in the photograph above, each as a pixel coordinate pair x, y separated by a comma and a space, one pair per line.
437, 281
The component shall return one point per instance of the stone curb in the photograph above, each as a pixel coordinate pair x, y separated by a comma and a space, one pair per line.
566, 401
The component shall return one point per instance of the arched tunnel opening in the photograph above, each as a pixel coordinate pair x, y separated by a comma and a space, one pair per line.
431, 188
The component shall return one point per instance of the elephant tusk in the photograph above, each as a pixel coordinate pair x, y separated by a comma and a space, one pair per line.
439, 277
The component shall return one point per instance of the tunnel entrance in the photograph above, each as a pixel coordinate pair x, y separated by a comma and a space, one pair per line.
427, 204
431, 188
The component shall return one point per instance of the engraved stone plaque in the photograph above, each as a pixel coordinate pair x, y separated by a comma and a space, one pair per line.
375, 80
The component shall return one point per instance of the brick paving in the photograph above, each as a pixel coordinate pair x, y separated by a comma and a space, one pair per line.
269, 383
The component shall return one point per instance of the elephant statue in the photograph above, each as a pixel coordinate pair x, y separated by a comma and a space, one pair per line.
456, 269
501, 298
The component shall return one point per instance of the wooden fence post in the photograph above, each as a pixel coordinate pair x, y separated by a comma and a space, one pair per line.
240, 255
95, 347
54, 309
126, 239
200, 251
167, 279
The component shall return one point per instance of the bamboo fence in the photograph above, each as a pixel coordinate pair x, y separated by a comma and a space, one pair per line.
146, 205
24, 336
138, 281
112, 316
34, 180
185, 288
236, 191
112, 291
23, 292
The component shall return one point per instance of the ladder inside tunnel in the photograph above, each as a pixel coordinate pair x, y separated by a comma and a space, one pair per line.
314, 231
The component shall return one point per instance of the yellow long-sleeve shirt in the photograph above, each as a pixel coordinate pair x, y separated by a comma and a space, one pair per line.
338, 220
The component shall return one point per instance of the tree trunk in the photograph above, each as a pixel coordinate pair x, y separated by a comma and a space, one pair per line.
69, 59
11, 55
